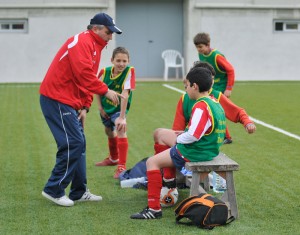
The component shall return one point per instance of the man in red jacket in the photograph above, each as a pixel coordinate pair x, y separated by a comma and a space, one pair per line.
66, 95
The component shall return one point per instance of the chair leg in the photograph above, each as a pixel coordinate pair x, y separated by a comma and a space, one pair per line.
166, 73
177, 73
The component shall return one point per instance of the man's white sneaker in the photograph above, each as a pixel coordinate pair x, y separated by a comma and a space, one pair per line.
88, 196
62, 201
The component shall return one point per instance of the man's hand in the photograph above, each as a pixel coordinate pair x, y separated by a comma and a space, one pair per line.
82, 116
113, 96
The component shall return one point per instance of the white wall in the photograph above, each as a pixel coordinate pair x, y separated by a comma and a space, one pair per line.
245, 35
241, 29
25, 57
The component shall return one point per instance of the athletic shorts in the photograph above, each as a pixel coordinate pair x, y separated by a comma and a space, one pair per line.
177, 159
110, 122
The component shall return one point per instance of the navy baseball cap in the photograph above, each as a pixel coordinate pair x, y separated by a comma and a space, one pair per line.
106, 20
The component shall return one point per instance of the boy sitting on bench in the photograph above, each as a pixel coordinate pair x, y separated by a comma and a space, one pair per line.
200, 142
164, 138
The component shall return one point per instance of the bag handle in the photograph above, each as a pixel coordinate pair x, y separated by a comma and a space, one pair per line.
206, 201
201, 200
181, 204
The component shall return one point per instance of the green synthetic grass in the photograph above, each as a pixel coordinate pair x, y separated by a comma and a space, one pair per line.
267, 184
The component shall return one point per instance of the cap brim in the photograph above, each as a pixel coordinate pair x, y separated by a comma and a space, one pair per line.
114, 29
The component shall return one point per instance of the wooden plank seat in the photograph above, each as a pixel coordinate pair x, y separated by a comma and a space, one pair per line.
222, 165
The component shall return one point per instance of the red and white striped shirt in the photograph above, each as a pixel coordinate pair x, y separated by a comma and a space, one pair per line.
199, 124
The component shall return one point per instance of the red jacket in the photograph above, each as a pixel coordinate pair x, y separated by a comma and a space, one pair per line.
71, 78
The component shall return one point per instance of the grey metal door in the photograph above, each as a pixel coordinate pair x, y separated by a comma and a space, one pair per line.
149, 27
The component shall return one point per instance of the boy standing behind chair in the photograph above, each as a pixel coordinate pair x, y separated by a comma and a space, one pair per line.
224, 79
121, 78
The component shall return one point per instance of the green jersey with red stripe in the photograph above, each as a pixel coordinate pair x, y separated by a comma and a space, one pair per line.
220, 80
206, 112
187, 103
216, 94
124, 80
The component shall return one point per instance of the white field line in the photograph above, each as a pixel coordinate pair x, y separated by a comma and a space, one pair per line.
253, 119
275, 128
174, 88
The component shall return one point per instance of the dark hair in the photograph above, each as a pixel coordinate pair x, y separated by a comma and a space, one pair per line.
200, 76
202, 38
201, 64
121, 50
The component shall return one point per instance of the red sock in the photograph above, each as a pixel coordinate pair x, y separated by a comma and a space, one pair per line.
154, 187
227, 135
158, 148
123, 150
113, 148
169, 172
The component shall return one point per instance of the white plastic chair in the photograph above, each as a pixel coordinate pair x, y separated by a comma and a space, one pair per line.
172, 59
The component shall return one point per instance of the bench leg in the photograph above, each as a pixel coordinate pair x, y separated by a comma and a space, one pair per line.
205, 180
230, 195
195, 187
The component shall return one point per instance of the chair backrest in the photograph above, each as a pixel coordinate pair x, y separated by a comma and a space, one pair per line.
170, 57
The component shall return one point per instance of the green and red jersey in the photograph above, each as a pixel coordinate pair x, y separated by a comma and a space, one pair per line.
224, 79
205, 132
123, 81
233, 112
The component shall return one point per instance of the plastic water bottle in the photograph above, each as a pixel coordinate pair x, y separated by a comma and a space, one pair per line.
131, 182
185, 172
219, 184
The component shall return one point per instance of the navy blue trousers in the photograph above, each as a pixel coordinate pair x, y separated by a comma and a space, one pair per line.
70, 166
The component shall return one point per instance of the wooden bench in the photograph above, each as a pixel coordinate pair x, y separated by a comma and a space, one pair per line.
222, 165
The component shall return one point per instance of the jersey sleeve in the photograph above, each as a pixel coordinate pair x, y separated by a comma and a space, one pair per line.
199, 124
223, 63
244, 118
179, 122
233, 112
88, 99
129, 83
